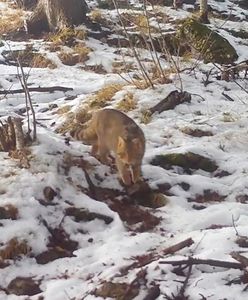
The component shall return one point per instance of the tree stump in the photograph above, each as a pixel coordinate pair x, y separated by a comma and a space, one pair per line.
52, 15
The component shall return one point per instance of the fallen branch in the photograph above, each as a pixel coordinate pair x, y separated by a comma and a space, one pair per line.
144, 260
174, 248
171, 101
181, 293
37, 89
240, 258
210, 262
227, 97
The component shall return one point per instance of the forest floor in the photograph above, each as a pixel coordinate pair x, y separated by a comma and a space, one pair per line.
68, 228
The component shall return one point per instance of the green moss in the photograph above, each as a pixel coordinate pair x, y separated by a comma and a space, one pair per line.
188, 161
212, 46
67, 36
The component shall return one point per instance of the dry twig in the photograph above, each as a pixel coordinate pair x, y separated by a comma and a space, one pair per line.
210, 262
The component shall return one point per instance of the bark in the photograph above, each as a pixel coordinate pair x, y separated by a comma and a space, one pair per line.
52, 15
7, 136
204, 12
240, 258
20, 143
174, 248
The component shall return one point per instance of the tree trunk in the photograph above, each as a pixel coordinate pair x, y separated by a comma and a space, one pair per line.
204, 12
52, 15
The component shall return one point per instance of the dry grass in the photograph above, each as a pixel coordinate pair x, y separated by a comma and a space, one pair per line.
14, 249
82, 52
79, 54
69, 59
82, 115
141, 84
127, 103
104, 95
158, 76
121, 66
68, 125
53, 47
96, 16
73, 120
99, 69
138, 22
23, 157
39, 61
67, 37
145, 117
63, 110
11, 21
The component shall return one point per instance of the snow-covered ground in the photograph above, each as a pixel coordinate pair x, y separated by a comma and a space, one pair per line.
104, 249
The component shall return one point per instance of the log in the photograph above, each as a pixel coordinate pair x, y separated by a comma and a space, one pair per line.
37, 89
171, 101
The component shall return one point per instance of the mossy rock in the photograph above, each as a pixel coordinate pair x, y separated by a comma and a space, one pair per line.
212, 46
169, 40
188, 161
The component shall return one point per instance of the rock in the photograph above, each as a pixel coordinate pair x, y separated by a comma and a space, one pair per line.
211, 45
43, 110
49, 193
53, 106
23, 286
51, 255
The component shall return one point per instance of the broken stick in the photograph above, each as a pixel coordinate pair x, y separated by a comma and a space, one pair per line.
50, 89
210, 262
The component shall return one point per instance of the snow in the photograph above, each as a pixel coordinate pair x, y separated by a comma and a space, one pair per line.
104, 249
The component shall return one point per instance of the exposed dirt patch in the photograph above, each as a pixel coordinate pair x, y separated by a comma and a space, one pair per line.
188, 161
